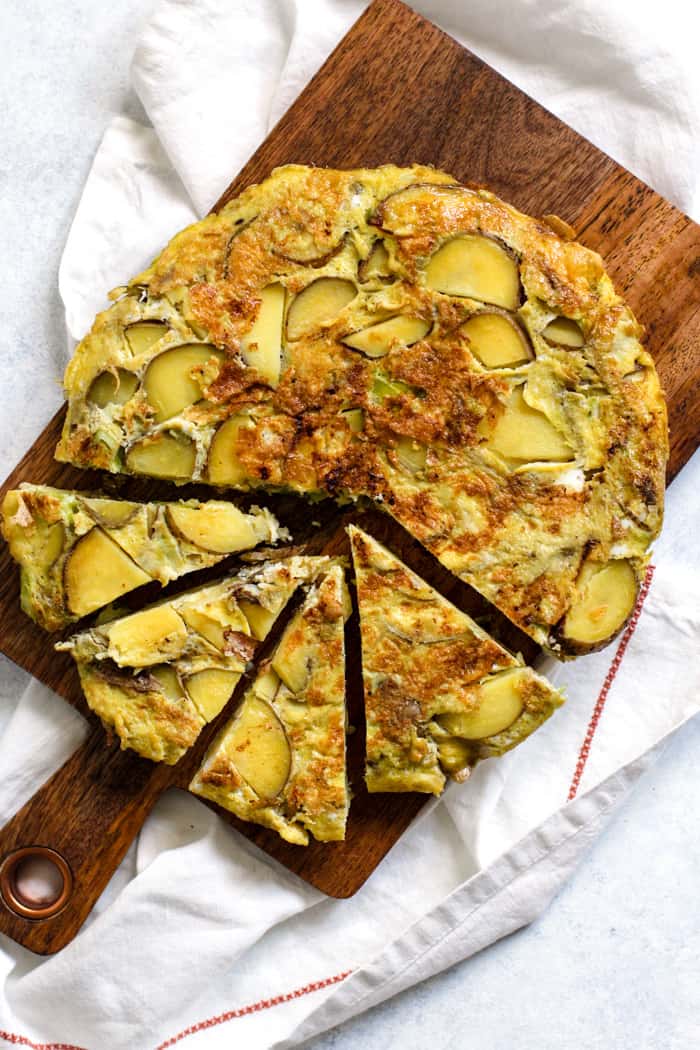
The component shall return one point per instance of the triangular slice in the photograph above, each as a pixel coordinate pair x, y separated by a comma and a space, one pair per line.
158, 676
280, 761
77, 553
440, 694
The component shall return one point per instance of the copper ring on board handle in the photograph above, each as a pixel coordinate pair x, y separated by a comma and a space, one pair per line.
13, 900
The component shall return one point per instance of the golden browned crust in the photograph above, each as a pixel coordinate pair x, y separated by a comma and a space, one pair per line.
307, 697
140, 714
32, 514
422, 658
158, 715
517, 531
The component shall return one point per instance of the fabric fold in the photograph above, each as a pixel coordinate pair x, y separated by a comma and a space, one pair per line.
516, 887
198, 924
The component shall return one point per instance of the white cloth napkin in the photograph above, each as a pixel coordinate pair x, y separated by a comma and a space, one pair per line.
198, 934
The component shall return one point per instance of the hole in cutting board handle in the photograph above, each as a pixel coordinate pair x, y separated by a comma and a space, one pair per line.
35, 882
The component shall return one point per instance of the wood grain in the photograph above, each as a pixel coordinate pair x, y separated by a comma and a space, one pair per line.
373, 102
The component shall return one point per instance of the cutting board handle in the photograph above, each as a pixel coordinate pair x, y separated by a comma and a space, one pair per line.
59, 851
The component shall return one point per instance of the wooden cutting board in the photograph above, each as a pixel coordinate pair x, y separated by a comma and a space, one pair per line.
397, 90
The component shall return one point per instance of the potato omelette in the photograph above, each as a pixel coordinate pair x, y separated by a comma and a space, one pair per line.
392, 335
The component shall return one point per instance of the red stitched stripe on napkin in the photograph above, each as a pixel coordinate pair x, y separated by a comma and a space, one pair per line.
253, 1008
230, 1015
609, 679
22, 1040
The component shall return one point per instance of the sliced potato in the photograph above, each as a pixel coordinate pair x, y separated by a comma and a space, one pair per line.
97, 571
455, 755
110, 389
163, 455
476, 267
318, 304
605, 597
212, 626
499, 703
562, 331
205, 625
224, 466
411, 455
383, 386
266, 685
42, 543
11, 505
53, 546
497, 341
211, 689
261, 347
376, 265
378, 339
145, 638
214, 526
355, 419
142, 335
290, 661
112, 513
523, 433
170, 383
167, 678
259, 619
258, 747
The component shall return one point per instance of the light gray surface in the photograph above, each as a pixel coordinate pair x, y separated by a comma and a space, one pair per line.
615, 962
